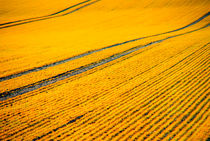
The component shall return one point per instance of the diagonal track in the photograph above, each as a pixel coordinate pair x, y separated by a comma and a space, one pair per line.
126, 92
45, 82
94, 51
126, 99
34, 18
50, 16
119, 112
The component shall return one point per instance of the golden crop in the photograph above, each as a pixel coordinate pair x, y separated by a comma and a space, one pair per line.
104, 70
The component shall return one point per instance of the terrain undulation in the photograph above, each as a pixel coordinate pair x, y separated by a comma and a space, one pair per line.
104, 70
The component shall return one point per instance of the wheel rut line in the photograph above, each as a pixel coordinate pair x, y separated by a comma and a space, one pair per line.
54, 79
55, 13
50, 16
84, 122
137, 75
94, 51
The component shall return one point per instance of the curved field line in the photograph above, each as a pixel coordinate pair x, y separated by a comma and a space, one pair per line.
13, 115
176, 116
195, 128
111, 118
94, 51
188, 114
132, 114
102, 124
162, 119
134, 77
108, 130
54, 130
92, 133
45, 82
62, 126
14, 100
34, 18
50, 16
193, 117
47, 88
164, 101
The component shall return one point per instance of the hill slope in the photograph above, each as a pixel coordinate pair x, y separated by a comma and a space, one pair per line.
104, 70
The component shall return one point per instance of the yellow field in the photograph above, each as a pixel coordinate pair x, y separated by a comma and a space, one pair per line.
104, 70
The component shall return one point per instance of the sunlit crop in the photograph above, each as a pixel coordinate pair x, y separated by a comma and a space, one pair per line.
104, 70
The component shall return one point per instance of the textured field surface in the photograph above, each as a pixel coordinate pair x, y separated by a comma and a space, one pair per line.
104, 70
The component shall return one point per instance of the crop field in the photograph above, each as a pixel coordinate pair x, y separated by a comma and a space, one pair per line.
98, 70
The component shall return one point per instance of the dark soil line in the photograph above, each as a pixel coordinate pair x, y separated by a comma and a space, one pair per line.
53, 15
62, 76
94, 51
54, 130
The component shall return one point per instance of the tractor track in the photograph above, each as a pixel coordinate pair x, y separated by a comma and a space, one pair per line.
54, 79
94, 51
50, 16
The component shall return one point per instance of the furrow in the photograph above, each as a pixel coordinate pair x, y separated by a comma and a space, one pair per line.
187, 108
162, 102
159, 113
108, 108
186, 116
189, 122
181, 105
